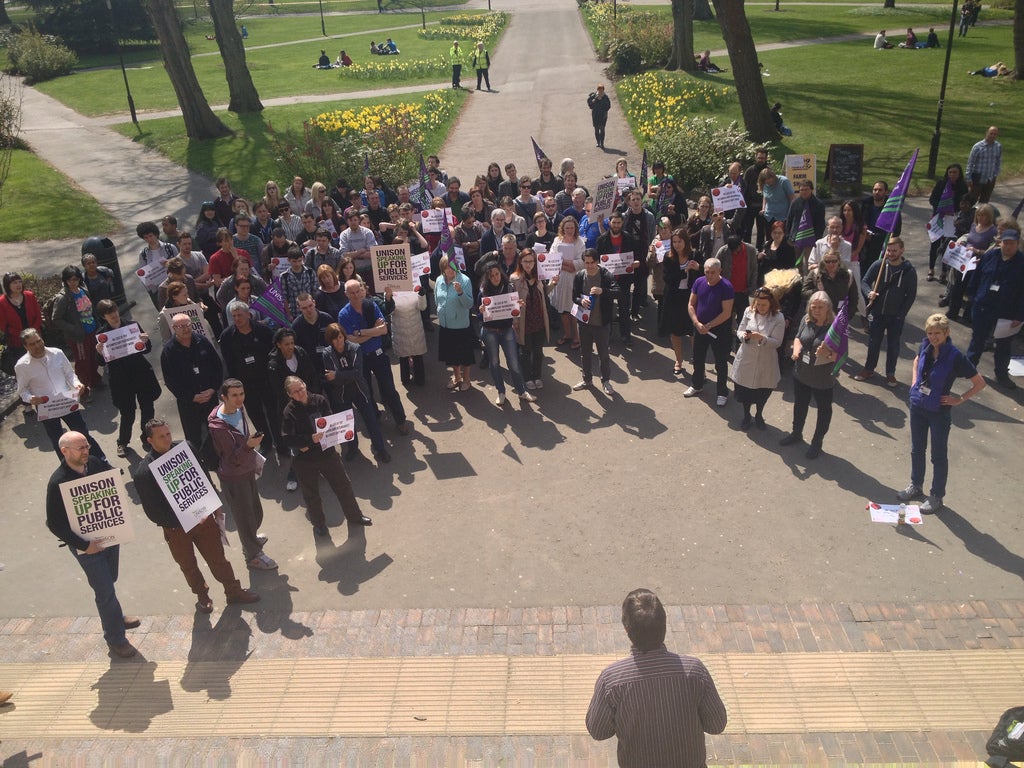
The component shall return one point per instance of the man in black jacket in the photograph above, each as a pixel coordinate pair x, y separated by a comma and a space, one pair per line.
617, 240
193, 373
204, 536
593, 290
600, 105
246, 347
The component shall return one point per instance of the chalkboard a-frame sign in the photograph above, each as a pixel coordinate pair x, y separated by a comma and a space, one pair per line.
846, 169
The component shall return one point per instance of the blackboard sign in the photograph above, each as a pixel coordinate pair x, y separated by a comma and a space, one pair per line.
846, 169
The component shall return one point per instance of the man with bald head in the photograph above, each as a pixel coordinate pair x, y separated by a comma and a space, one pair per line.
193, 372
98, 562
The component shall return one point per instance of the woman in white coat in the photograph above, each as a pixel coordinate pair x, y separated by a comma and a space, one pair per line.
755, 369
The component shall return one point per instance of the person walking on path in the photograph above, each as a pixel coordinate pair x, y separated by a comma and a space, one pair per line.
482, 63
983, 165
659, 704
600, 105
457, 59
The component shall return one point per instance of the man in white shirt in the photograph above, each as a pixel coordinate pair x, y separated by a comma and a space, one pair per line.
46, 372
833, 240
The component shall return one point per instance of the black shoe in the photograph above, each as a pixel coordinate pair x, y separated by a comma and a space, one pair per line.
131, 622
759, 422
791, 439
350, 451
1006, 382
747, 421
382, 456
944, 301
363, 520
320, 530
814, 451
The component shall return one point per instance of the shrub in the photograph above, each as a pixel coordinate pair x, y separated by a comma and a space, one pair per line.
463, 27
660, 101
634, 41
39, 57
699, 150
389, 137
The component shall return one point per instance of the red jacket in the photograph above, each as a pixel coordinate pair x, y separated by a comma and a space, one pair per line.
10, 321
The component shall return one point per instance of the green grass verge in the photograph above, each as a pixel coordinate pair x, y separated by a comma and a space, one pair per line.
282, 70
70, 212
849, 93
247, 158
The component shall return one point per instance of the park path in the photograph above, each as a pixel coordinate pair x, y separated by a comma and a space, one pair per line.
542, 70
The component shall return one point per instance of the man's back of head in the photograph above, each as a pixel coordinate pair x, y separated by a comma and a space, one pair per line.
643, 617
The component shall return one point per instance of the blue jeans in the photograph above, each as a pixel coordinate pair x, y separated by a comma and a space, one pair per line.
921, 423
506, 339
101, 571
891, 327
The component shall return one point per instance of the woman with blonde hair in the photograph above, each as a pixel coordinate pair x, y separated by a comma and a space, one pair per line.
569, 247
812, 373
317, 194
937, 366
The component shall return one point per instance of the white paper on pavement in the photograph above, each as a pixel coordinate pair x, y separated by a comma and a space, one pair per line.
890, 513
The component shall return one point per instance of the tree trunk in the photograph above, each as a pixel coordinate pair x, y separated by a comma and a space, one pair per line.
243, 95
702, 11
746, 71
1018, 39
5, 20
682, 37
200, 122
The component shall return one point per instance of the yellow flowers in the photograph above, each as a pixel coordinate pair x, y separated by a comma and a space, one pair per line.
658, 101
417, 119
465, 27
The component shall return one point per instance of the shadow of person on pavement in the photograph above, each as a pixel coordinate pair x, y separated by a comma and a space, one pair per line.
276, 597
227, 644
347, 565
129, 697
983, 545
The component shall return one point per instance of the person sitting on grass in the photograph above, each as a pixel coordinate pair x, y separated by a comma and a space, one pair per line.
324, 62
880, 42
343, 60
704, 63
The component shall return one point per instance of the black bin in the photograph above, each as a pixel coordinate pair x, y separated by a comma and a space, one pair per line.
106, 256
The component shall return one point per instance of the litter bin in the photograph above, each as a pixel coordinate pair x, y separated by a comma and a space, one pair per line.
106, 256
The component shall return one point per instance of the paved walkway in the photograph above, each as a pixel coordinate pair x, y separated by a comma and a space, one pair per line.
467, 626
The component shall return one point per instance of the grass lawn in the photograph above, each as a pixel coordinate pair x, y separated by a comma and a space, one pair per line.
849, 93
277, 71
74, 214
247, 158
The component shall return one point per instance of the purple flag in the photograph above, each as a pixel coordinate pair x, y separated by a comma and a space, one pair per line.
426, 195
886, 221
838, 337
446, 244
271, 304
538, 152
804, 236
945, 207
643, 172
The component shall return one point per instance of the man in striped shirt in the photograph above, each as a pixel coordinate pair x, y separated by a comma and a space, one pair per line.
657, 703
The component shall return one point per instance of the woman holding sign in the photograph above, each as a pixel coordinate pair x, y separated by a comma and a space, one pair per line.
131, 376
498, 315
568, 247
303, 425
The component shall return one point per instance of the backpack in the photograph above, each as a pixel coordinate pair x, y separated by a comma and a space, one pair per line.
1007, 740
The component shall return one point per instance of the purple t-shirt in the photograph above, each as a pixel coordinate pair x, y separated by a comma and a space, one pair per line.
710, 297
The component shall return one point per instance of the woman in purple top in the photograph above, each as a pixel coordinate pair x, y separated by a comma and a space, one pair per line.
711, 300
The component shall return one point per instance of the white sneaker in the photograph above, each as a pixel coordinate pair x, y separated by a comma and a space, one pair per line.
692, 392
500, 399
527, 397
580, 385
607, 387
722, 400
262, 563
538, 384
530, 385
